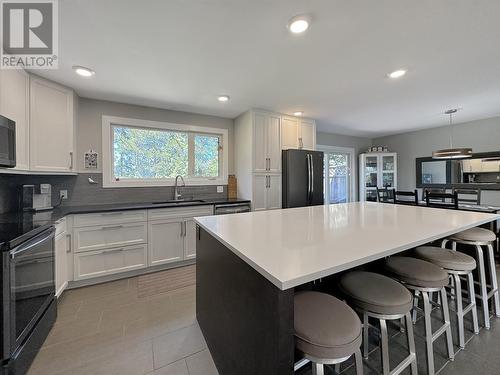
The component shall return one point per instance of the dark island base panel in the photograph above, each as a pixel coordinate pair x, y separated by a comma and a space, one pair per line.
247, 322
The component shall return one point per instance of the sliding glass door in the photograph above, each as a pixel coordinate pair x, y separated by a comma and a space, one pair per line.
339, 176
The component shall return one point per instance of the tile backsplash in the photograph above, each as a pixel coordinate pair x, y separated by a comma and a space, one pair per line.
81, 192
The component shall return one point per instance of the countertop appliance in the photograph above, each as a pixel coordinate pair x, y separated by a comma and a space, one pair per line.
36, 197
7, 142
231, 208
302, 178
28, 288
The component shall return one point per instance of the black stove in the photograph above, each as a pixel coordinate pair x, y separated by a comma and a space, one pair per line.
28, 287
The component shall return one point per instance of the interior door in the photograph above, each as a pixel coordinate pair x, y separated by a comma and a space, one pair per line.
166, 241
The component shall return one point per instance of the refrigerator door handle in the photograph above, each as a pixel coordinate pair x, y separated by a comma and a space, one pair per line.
312, 178
308, 177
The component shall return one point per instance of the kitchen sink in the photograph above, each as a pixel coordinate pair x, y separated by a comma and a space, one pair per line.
181, 202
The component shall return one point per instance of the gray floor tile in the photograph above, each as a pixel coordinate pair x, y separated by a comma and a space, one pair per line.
201, 364
177, 345
176, 368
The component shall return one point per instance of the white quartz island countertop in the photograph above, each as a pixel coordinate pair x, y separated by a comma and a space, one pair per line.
294, 246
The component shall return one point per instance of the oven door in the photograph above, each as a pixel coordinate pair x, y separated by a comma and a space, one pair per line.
32, 284
7, 142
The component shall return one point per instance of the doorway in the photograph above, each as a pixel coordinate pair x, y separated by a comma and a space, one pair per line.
339, 174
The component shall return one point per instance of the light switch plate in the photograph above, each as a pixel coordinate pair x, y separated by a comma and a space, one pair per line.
220, 189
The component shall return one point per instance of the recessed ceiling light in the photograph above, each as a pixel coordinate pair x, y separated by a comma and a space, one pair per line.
223, 98
298, 24
397, 73
298, 113
83, 71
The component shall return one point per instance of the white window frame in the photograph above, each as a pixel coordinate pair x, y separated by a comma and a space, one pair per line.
353, 175
108, 180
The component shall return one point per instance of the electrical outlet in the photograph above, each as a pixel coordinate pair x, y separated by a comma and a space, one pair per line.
63, 194
220, 189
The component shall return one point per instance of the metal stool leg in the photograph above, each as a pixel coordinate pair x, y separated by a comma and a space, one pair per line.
318, 369
384, 338
337, 368
366, 328
446, 318
493, 275
359, 362
460, 310
472, 301
482, 284
411, 343
428, 334
415, 306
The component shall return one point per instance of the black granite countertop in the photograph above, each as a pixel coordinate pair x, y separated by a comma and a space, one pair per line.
15, 224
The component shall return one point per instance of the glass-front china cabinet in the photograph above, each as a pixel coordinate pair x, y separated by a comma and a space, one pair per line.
376, 169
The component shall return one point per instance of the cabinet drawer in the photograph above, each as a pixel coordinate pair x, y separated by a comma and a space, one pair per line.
105, 236
179, 212
108, 218
106, 262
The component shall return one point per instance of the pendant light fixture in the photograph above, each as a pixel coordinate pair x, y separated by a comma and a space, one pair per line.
452, 152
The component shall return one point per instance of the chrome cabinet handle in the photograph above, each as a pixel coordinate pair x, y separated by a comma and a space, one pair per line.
70, 246
301, 143
112, 227
71, 160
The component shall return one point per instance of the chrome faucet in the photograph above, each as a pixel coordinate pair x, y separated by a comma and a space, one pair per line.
177, 196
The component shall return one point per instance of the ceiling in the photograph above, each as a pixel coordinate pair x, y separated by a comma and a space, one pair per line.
181, 55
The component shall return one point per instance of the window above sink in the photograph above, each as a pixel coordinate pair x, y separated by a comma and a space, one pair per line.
150, 153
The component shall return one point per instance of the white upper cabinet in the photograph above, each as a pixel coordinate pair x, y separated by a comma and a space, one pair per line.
298, 133
307, 138
266, 142
290, 130
14, 104
51, 127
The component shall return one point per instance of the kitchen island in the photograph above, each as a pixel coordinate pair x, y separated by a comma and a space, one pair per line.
249, 264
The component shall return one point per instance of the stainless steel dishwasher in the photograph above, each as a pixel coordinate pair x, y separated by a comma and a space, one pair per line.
231, 208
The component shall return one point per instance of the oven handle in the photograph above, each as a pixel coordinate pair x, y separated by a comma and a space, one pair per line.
31, 244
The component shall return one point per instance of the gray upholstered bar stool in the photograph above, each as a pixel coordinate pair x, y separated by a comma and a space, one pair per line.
327, 331
479, 238
382, 298
423, 277
456, 264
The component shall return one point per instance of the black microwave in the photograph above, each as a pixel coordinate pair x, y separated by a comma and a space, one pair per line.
7, 142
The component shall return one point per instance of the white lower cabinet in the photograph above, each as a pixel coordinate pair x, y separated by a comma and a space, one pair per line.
173, 239
111, 243
266, 192
90, 264
105, 236
166, 241
62, 251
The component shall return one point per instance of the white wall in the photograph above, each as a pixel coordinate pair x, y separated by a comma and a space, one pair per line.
89, 124
358, 143
481, 135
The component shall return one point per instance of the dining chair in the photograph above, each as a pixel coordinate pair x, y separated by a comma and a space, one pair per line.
405, 197
432, 190
468, 196
384, 195
442, 200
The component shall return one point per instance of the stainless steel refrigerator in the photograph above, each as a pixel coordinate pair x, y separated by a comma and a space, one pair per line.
302, 178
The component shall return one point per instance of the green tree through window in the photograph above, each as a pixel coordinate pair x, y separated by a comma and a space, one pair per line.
142, 153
